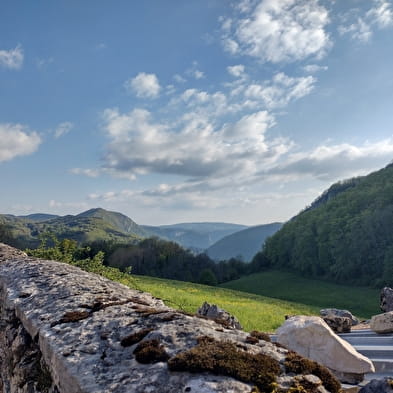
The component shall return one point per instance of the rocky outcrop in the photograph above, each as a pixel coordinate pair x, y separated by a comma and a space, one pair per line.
338, 324
386, 299
382, 323
334, 312
67, 331
378, 386
311, 337
211, 311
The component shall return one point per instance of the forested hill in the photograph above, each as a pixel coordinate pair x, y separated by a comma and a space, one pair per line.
347, 237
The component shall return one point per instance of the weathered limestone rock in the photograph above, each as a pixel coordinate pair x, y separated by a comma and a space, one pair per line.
67, 331
334, 312
382, 323
211, 311
386, 299
378, 386
311, 337
338, 324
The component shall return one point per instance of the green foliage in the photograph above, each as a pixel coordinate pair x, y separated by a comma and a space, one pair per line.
207, 277
85, 228
361, 301
254, 312
160, 258
345, 236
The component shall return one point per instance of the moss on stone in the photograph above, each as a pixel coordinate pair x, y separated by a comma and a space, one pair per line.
150, 351
135, 337
299, 365
224, 358
251, 340
260, 335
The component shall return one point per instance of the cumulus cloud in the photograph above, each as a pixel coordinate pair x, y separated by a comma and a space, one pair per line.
12, 59
63, 129
358, 30
144, 85
194, 71
361, 27
278, 31
196, 149
281, 90
16, 140
332, 162
236, 70
381, 14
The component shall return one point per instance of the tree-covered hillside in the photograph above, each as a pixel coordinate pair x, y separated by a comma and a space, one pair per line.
347, 236
91, 226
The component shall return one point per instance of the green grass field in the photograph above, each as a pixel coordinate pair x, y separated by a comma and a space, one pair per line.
254, 312
361, 301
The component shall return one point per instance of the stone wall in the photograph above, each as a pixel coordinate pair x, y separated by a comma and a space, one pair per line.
67, 331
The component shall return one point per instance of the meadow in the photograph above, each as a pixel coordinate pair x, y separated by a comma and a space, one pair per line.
361, 301
255, 312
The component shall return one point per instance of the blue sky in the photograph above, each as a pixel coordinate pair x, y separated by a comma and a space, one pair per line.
197, 110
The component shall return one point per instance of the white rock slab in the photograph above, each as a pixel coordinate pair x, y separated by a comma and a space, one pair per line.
311, 337
382, 323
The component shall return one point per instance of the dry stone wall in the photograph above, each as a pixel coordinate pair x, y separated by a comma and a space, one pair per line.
63, 330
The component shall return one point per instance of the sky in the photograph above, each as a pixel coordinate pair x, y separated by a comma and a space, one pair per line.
191, 110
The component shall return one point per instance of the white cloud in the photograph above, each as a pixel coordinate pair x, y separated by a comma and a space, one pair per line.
359, 30
86, 172
333, 162
381, 14
16, 140
144, 85
194, 72
236, 70
279, 31
313, 68
281, 90
195, 149
12, 58
361, 26
63, 129
179, 79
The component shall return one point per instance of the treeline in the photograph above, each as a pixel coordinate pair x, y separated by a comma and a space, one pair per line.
348, 238
159, 258
151, 257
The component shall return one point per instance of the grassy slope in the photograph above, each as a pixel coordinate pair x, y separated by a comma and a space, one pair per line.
361, 301
253, 311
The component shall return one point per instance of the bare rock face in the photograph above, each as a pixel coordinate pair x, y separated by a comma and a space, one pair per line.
211, 311
378, 386
386, 298
311, 337
67, 331
382, 323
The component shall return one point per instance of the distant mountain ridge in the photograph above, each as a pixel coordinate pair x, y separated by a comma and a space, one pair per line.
245, 243
197, 236
102, 225
38, 217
